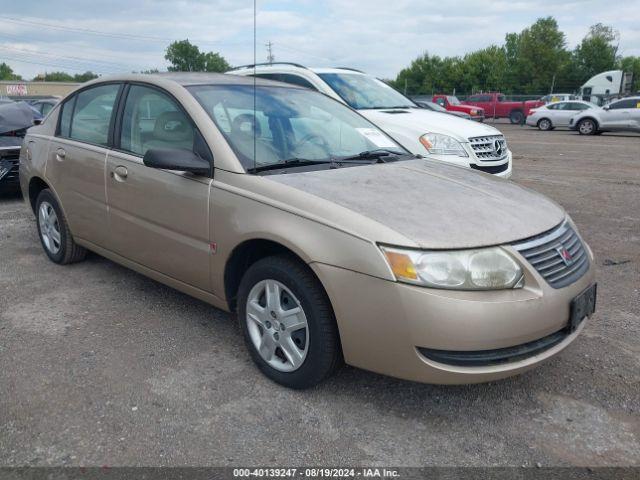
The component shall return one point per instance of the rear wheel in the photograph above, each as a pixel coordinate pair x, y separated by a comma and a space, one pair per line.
545, 124
587, 127
54, 232
288, 323
516, 116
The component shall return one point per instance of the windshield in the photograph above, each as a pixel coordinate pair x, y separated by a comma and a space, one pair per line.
288, 124
453, 100
364, 92
434, 106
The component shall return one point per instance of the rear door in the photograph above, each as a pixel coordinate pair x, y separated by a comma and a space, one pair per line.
619, 114
563, 114
76, 160
158, 218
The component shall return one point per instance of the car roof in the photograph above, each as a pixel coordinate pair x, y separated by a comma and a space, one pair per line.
191, 78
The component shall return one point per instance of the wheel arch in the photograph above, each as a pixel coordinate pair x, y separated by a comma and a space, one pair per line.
544, 118
246, 254
36, 185
589, 117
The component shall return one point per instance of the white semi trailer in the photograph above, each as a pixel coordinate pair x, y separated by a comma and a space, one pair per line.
604, 86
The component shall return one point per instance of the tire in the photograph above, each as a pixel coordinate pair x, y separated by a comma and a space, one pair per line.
545, 124
315, 347
516, 116
54, 233
586, 126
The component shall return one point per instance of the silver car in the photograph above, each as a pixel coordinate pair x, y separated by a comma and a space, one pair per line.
620, 115
558, 114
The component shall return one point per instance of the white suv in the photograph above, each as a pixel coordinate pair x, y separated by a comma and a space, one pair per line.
422, 132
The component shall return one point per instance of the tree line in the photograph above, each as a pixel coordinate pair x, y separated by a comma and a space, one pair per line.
534, 61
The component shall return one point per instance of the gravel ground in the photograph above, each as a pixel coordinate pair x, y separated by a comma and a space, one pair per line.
101, 366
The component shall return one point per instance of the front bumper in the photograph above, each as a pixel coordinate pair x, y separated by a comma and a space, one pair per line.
9, 166
500, 168
384, 325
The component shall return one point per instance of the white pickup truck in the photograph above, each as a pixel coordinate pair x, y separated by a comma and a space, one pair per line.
423, 132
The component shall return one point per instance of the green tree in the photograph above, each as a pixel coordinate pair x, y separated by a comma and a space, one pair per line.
84, 77
214, 62
6, 73
632, 64
537, 56
596, 53
186, 57
54, 77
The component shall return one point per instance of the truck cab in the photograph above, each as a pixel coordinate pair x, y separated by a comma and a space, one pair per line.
452, 104
496, 105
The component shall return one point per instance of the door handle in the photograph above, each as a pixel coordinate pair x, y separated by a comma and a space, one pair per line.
60, 154
120, 173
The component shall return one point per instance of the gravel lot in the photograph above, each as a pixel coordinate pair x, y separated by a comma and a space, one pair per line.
101, 366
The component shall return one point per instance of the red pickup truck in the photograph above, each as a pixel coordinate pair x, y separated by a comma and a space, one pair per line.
496, 106
452, 104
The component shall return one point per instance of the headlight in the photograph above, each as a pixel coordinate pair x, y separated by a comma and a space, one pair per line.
442, 145
480, 269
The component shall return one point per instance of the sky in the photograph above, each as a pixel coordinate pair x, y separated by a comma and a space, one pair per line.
377, 36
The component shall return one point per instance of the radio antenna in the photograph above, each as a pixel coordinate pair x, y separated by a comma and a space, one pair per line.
253, 127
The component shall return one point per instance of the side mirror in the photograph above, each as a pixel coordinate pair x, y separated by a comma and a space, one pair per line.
37, 121
606, 107
176, 159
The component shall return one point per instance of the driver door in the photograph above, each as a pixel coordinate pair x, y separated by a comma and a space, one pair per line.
158, 218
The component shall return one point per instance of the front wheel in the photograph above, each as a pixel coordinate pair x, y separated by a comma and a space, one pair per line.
544, 124
587, 127
288, 323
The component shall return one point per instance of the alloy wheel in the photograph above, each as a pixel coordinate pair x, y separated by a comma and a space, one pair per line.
586, 127
49, 227
544, 124
277, 325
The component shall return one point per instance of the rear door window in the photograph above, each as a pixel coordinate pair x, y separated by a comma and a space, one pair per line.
91, 115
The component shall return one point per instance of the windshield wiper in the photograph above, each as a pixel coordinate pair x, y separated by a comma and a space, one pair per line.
291, 162
377, 154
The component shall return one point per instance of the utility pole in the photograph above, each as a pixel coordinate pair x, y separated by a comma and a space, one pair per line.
270, 57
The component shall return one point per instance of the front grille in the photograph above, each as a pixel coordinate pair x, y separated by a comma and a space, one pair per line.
482, 358
489, 148
12, 157
557, 255
491, 168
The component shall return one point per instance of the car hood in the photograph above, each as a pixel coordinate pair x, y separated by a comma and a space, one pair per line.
15, 116
435, 205
420, 121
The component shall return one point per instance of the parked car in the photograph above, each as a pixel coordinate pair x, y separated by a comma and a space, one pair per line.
620, 115
15, 118
496, 105
434, 107
452, 104
557, 114
558, 97
444, 138
44, 105
327, 237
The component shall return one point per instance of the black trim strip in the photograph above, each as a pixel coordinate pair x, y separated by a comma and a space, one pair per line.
481, 358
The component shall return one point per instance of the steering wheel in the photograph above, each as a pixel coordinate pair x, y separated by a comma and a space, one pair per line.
309, 139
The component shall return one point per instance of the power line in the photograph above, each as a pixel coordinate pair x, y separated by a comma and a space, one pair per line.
48, 64
127, 36
88, 61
